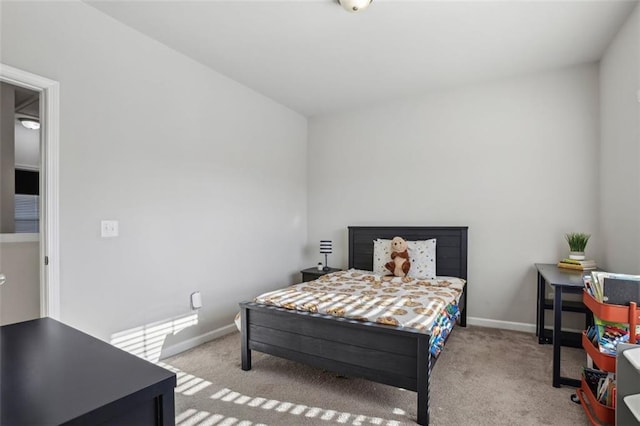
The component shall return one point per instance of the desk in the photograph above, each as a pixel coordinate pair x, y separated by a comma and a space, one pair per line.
54, 374
560, 280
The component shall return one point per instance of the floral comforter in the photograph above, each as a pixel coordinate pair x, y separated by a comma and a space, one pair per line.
424, 305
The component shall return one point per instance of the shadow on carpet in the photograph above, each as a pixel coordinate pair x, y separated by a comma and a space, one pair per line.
484, 377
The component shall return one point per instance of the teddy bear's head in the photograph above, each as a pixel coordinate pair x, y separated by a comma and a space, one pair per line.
398, 244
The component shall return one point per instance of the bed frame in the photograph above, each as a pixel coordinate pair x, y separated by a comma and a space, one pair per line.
391, 355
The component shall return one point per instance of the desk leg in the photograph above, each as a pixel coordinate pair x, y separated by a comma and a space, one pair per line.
165, 404
540, 310
557, 329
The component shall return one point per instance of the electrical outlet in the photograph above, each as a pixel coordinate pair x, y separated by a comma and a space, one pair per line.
196, 300
109, 228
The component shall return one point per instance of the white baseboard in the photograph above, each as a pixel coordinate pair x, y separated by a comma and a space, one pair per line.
197, 341
509, 325
505, 325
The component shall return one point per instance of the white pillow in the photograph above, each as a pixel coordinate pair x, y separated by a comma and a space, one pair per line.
422, 255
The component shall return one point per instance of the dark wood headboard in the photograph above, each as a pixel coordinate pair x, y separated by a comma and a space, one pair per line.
451, 245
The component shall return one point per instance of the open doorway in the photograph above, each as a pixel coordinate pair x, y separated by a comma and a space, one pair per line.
29, 243
19, 203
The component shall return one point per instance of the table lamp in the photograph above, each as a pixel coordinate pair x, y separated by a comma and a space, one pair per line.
325, 248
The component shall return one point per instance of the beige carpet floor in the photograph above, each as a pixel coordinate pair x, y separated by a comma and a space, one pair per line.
484, 377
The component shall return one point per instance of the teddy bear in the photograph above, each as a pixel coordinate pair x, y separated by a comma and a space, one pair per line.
400, 264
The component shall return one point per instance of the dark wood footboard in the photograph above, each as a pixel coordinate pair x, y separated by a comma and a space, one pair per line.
385, 354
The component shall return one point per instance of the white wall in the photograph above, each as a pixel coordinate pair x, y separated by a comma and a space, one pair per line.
206, 177
515, 160
620, 149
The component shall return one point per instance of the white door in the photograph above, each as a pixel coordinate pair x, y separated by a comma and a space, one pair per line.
29, 247
20, 227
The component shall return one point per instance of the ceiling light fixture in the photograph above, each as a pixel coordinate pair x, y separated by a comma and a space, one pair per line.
29, 123
355, 5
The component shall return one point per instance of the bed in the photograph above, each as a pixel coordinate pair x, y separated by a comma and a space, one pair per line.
387, 354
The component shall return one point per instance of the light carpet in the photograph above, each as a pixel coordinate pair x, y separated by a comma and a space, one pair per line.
484, 377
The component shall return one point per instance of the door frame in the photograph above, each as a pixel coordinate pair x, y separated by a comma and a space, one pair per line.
49, 182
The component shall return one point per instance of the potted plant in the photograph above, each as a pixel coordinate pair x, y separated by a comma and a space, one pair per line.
577, 243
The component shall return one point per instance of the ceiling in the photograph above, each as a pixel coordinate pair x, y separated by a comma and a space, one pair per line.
314, 57
27, 102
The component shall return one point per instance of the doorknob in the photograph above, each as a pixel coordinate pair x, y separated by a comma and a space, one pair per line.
3, 278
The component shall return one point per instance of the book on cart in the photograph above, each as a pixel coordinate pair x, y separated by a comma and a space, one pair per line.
578, 265
616, 289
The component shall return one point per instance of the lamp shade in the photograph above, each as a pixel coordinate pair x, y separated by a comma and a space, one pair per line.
354, 5
325, 246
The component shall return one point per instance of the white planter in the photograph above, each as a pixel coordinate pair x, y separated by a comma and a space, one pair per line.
576, 255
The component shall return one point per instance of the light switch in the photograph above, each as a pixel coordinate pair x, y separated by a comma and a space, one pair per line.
109, 228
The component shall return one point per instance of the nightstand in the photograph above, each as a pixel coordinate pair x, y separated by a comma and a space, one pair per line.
311, 274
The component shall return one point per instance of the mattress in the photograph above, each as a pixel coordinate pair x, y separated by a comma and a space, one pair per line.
429, 306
